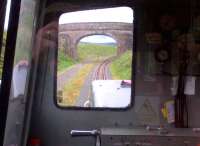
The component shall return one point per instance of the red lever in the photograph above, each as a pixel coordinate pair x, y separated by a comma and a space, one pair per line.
35, 142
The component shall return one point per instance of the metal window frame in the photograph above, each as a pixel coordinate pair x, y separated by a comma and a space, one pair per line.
132, 101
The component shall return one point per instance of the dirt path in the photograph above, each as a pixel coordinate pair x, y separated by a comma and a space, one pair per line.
85, 91
64, 77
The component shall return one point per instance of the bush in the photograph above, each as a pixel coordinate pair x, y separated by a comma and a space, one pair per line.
64, 61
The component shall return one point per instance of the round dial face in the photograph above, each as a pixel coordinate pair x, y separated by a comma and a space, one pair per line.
162, 55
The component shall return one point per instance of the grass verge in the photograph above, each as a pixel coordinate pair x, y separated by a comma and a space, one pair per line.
121, 67
95, 52
72, 89
64, 61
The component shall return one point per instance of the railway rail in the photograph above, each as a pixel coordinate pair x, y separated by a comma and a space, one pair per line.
101, 72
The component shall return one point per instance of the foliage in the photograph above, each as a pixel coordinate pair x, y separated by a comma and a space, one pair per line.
121, 67
4, 38
64, 61
2, 53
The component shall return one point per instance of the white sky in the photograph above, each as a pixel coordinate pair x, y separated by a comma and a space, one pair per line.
98, 39
7, 14
118, 14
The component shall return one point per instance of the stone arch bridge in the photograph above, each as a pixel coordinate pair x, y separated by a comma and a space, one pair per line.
72, 33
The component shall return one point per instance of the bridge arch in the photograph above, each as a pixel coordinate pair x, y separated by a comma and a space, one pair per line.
93, 41
95, 34
120, 32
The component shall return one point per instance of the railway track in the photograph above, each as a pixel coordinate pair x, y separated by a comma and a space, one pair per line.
101, 72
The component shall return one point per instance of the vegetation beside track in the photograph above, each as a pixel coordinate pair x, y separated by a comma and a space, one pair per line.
64, 61
121, 67
95, 52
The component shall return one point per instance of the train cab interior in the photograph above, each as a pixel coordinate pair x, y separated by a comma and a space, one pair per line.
99, 72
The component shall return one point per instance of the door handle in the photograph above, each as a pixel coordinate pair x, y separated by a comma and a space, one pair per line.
85, 132
95, 133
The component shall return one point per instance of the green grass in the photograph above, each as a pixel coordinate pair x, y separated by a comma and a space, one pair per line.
64, 61
121, 67
95, 52
2, 53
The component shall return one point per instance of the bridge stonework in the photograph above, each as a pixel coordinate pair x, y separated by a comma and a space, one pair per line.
72, 33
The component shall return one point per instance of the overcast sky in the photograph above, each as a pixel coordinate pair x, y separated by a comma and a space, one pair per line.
98, 39
119, 14
7, 14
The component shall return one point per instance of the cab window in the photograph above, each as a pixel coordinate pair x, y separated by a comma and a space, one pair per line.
94, 61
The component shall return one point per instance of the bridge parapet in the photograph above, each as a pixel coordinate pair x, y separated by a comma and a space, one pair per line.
96, 26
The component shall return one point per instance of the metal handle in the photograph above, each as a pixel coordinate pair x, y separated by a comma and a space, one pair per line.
161, 130
85, 133
95, 133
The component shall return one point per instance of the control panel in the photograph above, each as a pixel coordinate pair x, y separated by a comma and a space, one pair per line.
146, 137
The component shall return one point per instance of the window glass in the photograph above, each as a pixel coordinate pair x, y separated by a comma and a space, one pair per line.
94, 59
2, 51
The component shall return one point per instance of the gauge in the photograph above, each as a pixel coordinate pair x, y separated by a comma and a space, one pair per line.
162, 55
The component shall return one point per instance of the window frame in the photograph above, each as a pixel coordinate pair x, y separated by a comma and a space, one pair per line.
132, 101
